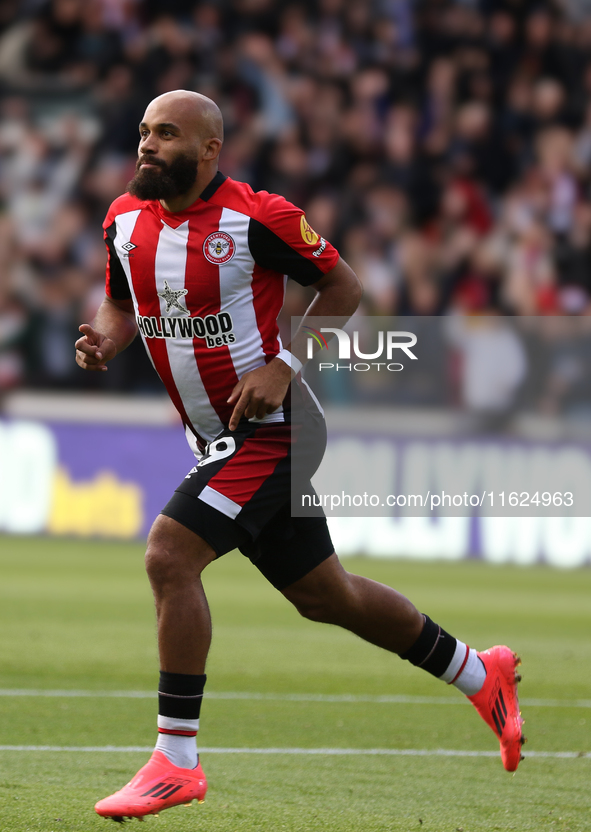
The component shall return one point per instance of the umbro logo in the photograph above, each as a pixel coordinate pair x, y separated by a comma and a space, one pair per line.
128, 247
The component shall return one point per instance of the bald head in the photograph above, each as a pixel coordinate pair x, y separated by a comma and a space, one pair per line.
201, 115
180, 140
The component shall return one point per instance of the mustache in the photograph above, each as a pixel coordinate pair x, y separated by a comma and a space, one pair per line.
150, 160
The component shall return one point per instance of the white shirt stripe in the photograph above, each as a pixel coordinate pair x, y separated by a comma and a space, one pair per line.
125, 224
170, 266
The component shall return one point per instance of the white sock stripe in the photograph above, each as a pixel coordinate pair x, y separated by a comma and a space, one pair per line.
455, 664
472, 677
174, 724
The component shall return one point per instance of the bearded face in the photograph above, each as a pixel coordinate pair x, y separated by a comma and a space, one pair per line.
164, 181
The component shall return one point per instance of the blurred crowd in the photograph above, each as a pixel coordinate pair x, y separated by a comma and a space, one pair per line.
444, 146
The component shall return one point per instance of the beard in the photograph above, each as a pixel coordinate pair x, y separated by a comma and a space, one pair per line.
170, 181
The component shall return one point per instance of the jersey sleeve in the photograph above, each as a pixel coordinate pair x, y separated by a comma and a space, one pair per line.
116, 285
280, 238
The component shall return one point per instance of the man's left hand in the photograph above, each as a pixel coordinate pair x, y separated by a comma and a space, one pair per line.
260, 391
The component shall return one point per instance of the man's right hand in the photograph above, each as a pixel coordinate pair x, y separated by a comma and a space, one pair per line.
93, 350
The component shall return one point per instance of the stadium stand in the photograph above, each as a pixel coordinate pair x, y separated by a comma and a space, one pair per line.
443, 146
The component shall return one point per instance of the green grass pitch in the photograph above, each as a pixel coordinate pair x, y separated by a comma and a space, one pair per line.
77, 616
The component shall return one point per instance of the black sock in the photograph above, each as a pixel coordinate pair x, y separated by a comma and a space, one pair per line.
433, 650
180, 695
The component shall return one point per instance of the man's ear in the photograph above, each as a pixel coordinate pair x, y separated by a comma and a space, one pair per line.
210, 149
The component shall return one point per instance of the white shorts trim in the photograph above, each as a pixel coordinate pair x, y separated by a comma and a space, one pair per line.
220, 502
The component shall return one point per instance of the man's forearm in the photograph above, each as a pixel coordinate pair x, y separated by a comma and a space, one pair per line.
116, 323
113, 329
338, 296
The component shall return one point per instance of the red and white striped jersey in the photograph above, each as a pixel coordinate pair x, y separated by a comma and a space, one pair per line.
207, 285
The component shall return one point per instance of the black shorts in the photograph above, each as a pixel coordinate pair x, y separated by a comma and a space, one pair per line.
239, 497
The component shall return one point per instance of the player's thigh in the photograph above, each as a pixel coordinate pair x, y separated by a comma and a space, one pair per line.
238, 497
289, 548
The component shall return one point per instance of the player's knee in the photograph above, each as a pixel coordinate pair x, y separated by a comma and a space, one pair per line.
174, 554
328, 602
162, 563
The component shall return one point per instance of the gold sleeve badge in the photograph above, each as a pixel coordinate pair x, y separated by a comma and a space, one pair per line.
309, 236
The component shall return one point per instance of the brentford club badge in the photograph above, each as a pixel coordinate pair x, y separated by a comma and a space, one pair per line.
219, 247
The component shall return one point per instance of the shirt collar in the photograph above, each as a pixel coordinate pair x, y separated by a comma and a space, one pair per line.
215, 183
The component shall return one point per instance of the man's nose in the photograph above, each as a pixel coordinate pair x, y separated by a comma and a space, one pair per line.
148, 145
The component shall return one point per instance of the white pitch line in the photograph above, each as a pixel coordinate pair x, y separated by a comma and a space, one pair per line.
318, 752
386, 699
